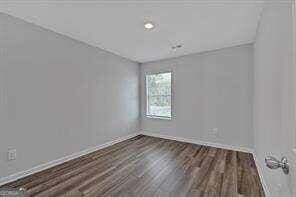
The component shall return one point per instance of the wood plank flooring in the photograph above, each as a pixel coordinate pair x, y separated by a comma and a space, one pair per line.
148, 166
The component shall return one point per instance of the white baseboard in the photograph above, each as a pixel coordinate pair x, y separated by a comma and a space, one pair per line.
263, 182
194, 141
217, 145
45, 166
18, 175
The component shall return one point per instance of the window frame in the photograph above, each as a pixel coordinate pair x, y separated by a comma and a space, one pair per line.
146, 96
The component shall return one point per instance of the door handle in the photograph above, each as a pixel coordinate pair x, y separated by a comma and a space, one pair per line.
274, 163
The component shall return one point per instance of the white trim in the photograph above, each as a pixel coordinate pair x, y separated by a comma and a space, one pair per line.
159, 117
194, 141
294, 68
217, 145
263, 182
44, 166
147, 96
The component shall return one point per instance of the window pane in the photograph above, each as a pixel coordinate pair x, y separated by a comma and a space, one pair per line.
158, 95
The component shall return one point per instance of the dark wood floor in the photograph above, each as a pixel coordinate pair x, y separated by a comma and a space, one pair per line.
147, 166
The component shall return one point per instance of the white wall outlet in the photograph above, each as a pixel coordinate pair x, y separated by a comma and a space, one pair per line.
214, 132
11, 154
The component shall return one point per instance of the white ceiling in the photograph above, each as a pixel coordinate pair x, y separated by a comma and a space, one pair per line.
117, 26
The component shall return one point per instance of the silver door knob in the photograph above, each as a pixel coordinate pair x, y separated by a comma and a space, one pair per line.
273, 163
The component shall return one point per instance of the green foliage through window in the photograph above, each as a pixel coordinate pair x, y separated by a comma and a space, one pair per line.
158, 92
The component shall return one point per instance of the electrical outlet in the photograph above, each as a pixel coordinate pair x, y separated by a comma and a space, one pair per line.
214, 132
11, 154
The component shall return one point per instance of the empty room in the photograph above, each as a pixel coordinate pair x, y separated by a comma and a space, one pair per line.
148, 98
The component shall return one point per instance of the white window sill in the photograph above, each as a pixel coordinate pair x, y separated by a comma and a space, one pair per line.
159, 117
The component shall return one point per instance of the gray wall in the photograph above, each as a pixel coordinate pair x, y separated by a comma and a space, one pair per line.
210, 90
273, 91
60, 96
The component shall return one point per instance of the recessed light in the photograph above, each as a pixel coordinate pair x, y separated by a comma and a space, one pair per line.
149, 25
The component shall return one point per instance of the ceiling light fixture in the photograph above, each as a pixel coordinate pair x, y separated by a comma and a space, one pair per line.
149, 25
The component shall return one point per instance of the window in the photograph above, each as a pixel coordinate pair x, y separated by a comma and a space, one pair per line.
158, 95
